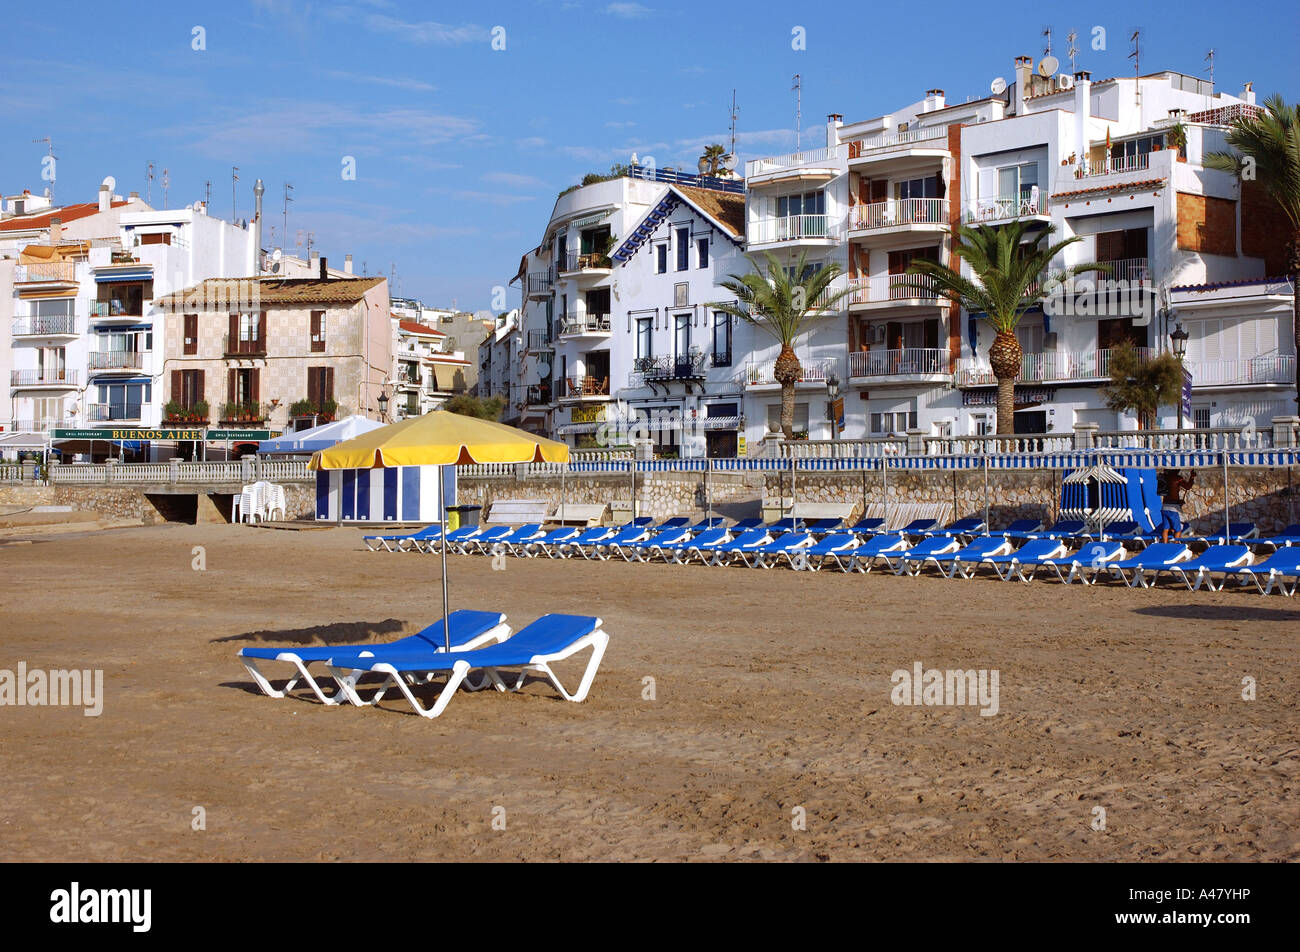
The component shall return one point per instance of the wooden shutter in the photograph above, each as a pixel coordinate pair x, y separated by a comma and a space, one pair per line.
191, 334
254, 389
232, 385
177, 393
313, 390
198, 387
261, 328
233, 346
1110, 245
329, 384
879, 190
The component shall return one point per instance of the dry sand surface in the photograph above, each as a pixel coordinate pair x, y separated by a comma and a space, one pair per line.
772, 693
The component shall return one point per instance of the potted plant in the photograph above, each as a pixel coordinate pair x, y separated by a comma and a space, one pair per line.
300, 408
1178, 140
172, 410
199, 412
327, 410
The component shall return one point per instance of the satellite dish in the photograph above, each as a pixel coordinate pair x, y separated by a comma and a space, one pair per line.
729, 162
1048, 66
110, 182
276, 254
998, 86
543, 369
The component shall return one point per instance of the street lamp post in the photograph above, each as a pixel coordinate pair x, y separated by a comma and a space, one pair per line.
833, 394
1178, 338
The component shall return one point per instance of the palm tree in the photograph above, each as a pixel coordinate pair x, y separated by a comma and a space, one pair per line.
713, 156
1268, 146
783, 301
1008, 279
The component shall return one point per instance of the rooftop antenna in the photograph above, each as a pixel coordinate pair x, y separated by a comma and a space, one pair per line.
1047, 49
166, 185
1136, 57
1071, 52
734, 113
234, 177
1210, 56
53, 160
287, 189
148, 185
798, 111
207, 193
311, 237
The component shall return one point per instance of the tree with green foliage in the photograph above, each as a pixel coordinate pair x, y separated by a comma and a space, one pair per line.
1141, 384
783, 300
484, 408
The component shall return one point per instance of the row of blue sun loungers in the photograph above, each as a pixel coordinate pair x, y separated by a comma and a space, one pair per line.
484, 654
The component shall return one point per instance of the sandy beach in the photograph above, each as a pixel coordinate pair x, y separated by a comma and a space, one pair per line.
771, 704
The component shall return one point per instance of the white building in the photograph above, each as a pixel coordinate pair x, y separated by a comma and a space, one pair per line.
426, 374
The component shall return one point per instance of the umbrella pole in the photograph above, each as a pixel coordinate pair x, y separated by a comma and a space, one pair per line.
442, 550
708, 496
1225, 494
986, 494
884, 490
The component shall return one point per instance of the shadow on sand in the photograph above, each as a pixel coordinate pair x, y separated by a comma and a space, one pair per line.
1245, 612
339, 633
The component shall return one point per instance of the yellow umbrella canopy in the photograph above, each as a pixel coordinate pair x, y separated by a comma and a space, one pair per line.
439, 438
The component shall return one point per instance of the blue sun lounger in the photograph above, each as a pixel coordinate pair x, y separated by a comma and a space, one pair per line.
468, 629
1281, 565
871, 526
494, 536
454, 538
727, 552
1280, 540
1021, 528
712, 522
575, 546
606, 547
1082, 565
544, 545
964, 561
744, 525
836, 548
969, 526
533, 648
676, 522
398, 542
1064, 529
1032, 551
787, 545
821, 527
787, 524
1112, 530
1217, 558
683, 552
1155, 559
874, 550
919, 527
640, 549
910, 561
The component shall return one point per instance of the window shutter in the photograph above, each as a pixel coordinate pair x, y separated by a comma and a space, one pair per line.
254, 390
198, 388
234, 333
261, 327
313, 389
232, 384
329, 383
176, 393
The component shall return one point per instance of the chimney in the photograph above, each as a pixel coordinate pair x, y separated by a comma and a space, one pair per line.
1248, 93
1082, 112
105, 198
56, 230
347, 263
833, 123
324, 269
1024, 72
133, 197
255, 266
313, 260
933, 99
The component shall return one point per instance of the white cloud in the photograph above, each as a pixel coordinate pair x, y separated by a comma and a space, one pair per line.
511, 178
530, 142
394, 81
628, 10
414, 31
620, 125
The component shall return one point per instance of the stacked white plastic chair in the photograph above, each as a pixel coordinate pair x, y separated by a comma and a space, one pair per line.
274, 501
250, 504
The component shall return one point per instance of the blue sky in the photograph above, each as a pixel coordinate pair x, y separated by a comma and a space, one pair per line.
460, 149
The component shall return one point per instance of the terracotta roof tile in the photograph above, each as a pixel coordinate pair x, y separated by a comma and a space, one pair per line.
66, 214
415, 327
1121, 186
275, 291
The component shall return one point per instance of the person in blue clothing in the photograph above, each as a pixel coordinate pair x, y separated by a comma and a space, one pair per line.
1171, 504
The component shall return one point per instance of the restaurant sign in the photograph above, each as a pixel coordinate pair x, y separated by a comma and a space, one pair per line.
587, 414
129, 433
215, 436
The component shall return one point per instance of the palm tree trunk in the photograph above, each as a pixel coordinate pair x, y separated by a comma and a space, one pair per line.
787, 410
1006, 405
1295, 313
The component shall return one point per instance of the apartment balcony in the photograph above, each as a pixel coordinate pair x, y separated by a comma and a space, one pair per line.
1245, 372
825, 160
115, 412
46, 272
538, 395
909, 365
586, 325
540, 340
116, 311
666, 368
820, 230
892, 291
108, 361
254, 347
1055, 367
45, 326
896, 147
60, 379
539, 284
586, 264
44, 425
903, 215
578, 389
244, 413
815, 373
1129, 270
1005, 208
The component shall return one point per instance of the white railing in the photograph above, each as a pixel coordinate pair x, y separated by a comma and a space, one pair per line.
1039, 368
1130, 270
901, 211
873, 448
1248, 370
41, 378
113, 412
221, 471
42, 426
1215, 438
883, 288
982, 445
1005, 207
116, 359
859, 148
792, 228
1112, 165
909, 361
814, 371
586, 324
793, 159
44, 326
